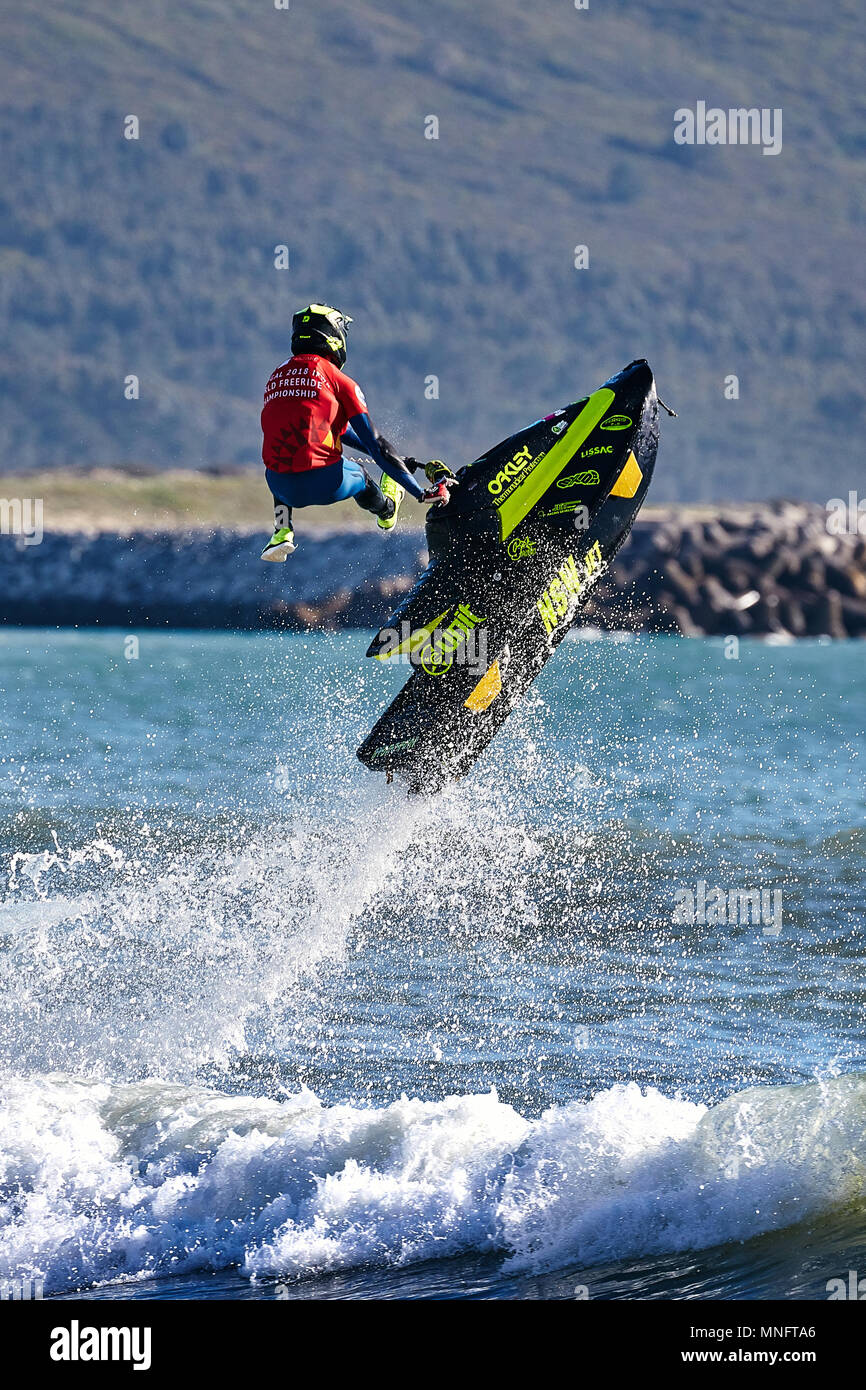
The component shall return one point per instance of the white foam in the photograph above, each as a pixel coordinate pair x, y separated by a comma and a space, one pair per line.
102, 1182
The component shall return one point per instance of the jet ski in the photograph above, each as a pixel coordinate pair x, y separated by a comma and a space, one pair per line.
530, 528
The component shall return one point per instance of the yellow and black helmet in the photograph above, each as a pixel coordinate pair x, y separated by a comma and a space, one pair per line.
319, 328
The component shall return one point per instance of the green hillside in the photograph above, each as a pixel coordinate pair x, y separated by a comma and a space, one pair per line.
306, 127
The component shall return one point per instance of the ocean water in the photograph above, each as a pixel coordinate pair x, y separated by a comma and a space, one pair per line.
268, 1028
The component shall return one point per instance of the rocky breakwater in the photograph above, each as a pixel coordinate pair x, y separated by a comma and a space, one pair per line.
748, 570
199, 579
744, 570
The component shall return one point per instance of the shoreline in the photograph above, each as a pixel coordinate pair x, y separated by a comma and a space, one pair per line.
748, 570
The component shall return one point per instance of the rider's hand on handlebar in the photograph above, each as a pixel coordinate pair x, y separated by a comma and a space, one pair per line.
439, 494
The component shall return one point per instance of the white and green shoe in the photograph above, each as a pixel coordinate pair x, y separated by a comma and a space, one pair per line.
395, 493
281, 544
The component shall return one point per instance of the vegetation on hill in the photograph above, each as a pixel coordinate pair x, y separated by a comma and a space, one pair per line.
305, 127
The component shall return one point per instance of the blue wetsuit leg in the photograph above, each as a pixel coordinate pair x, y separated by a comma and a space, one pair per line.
318, 487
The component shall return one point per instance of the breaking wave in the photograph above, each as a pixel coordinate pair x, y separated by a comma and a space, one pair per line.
103, 1182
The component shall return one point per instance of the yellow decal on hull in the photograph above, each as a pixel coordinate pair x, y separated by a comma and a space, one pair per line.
521, 501
486, 690
629, 479
414, 640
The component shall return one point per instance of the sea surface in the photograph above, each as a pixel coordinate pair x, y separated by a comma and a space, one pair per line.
269, 1028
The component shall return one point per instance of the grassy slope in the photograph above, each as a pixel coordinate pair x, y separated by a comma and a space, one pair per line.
106, 499
455, 256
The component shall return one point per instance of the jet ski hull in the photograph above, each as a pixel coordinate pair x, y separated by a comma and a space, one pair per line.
529, 530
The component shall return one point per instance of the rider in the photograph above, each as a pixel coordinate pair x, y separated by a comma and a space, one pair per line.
311, 410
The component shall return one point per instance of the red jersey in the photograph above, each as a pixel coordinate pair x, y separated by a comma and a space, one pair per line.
308, 404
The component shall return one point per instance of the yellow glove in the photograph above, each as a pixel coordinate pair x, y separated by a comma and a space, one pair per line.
436, 471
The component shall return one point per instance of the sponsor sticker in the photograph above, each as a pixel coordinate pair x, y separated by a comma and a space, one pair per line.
400, 747
512, 474
509, 470
560, 597
616, 422
437, 654
588, 478
563, 509
521, 548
